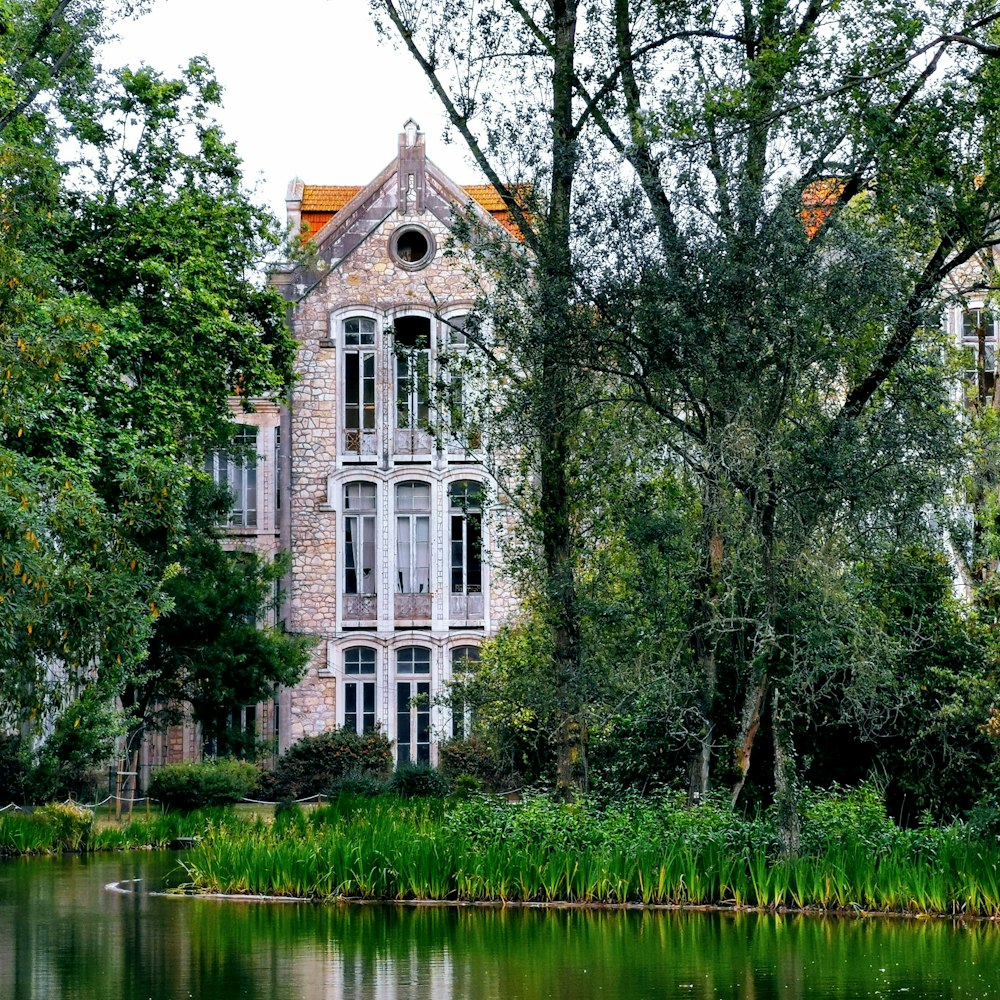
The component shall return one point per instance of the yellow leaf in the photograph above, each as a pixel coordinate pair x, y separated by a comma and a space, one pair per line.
29, 630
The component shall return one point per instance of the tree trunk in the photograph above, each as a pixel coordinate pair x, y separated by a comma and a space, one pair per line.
785, 791
749, 727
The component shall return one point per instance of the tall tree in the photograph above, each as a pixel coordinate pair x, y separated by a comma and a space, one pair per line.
792, 182
131, 311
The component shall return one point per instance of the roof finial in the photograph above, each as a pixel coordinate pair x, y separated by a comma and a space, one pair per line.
410, 130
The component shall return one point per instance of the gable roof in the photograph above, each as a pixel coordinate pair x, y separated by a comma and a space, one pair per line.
321, 202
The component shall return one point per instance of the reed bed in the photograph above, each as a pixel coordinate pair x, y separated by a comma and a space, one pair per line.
54, 829
633, 852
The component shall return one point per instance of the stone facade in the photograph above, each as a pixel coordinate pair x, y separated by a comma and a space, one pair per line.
386, 645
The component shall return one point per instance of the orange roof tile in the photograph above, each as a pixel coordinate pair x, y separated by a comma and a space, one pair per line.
326, 198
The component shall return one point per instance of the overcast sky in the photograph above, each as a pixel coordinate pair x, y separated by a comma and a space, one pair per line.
310, 91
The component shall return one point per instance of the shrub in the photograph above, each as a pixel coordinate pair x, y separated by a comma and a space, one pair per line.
472, 757
71, 824
412, 781
193, 786
360, 783
312, 765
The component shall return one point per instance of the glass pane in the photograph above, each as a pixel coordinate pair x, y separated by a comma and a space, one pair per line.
421, 556
368, 575
350, 556
351, 706
352, 409
368, 718
359, 660
359, 496
403, 555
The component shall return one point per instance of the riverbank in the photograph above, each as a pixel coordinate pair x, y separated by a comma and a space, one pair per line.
651, 853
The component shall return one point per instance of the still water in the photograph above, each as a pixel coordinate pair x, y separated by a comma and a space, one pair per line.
63, 935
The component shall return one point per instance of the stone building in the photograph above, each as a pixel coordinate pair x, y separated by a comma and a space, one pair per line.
372, 483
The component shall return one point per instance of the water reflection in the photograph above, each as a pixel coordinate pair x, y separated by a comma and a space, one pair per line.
63, 936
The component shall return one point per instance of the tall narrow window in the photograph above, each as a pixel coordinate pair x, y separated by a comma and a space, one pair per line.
277, 468
236, 469
413, 359
413, 551
360, 574
466, 531
359, 385
464, 434
359, 538
359, 689
413, 705
463, 659
413, 528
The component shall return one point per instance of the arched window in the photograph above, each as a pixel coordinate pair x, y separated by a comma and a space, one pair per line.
412, 383
413, 705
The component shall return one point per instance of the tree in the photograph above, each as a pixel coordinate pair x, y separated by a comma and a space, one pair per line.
131, 312
212, 650
751, 211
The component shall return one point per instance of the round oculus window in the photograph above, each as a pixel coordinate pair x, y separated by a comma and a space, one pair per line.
412, 247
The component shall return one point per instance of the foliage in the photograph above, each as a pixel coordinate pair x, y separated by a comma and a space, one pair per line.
74, 757
194, 786
71, 825
210, 650
129, 315
472, 758
413, 781
743, 223
363, 784
314, 763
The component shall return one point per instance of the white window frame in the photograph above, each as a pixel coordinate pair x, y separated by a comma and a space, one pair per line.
412, 403
359, 347
413, 692
360, 524
238, 473
412, 525
461, 713
461, 547
359, 685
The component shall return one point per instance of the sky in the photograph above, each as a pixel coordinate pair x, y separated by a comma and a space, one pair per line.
310, 90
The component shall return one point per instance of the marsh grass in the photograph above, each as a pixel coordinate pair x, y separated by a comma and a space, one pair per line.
53, 829
653, 853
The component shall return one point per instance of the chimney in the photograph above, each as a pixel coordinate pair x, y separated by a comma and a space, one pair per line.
410, 170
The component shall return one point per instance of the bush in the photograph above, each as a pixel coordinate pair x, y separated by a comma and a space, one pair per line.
312, 765
413, 781
193, 786
360, 783
71, 824
475, 758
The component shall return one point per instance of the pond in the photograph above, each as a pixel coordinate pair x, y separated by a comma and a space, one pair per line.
63, 935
